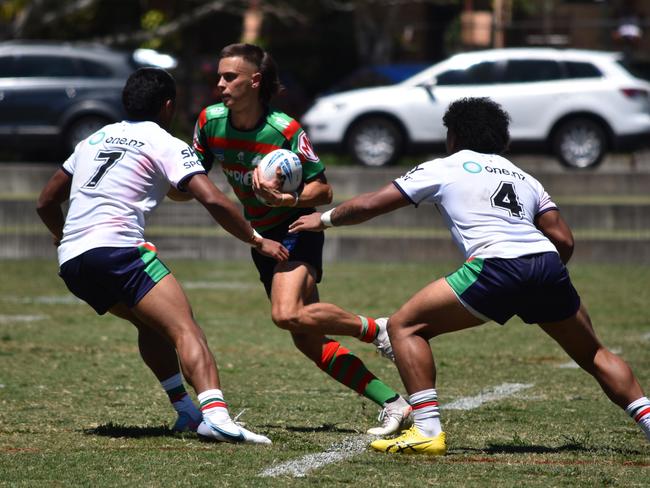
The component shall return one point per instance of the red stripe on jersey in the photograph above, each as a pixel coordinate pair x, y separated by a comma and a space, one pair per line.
239, 144
241, 193
235, 167
271, 220
203, 118
291, 129
214, 405
258, 211
642, 413
424, 405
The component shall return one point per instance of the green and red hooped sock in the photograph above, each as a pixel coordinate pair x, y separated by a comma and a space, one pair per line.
338, 362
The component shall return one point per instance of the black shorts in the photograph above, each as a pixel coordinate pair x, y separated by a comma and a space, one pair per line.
306, 247
105, 276
536, 287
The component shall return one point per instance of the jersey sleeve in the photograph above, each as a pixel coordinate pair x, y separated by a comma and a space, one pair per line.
200, 142
311, 163
179, 161
421, 183
69, 164
544, 202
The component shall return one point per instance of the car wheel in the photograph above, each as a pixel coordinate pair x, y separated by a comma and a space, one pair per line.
375, 141
580, 143
81, 128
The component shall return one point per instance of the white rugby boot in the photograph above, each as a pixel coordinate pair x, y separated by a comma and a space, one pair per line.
382, 342
394, 417
229, 431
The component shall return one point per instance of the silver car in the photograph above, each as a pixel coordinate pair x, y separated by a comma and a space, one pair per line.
577, 104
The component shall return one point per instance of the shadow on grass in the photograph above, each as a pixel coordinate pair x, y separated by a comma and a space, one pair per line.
131, 431
534, 449
319, 428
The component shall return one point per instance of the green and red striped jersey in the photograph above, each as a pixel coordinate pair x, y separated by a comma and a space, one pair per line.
239, 152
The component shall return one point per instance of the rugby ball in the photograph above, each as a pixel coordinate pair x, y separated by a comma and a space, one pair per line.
290, 168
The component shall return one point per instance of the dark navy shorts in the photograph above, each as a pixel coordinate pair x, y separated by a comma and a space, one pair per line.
105, 276
536, 287
306, 247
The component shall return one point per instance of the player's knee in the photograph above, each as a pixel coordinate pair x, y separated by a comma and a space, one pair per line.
285, 318
397, 327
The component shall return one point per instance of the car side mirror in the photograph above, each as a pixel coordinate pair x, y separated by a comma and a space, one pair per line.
429, 85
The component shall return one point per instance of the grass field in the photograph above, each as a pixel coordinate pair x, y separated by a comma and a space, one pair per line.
79, 408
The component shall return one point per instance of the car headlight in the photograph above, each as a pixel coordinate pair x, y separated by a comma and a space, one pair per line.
329, 106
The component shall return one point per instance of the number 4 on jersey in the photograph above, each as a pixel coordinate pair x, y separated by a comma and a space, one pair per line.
506, 197
109, 159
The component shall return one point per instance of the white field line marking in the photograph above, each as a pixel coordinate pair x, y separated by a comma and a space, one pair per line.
339, 451
354, 445
573, 365
8, 319
487, 395
45, 300
218, 285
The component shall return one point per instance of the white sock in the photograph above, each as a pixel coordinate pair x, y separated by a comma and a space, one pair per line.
639, 410
213, 406
426, 415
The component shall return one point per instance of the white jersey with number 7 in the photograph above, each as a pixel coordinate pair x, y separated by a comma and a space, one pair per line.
119, 175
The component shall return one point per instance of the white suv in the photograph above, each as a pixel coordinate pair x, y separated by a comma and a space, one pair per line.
577, 103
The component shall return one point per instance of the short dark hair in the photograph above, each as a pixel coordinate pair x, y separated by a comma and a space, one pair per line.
478, 124
146, 91
265, 64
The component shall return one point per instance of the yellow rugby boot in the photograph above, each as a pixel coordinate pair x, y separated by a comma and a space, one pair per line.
412, 442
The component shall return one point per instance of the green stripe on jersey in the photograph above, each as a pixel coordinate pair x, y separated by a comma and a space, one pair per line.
465, 276
153, 266
239, 152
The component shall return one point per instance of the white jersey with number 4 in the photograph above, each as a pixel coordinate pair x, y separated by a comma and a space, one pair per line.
488, 203
120, 174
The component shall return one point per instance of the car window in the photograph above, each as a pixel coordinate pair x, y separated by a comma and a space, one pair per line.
637, 68
5, 66
530, 70
41, 66
577, 69
93, 69
477, 74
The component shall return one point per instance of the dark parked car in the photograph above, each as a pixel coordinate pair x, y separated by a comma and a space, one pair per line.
53, 95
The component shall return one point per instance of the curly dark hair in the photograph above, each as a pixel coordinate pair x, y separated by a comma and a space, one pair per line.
270, 85
146, 91
478, 124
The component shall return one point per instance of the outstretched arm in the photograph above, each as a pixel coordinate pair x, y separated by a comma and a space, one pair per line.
226, 213
355, 211
48, 207
555, 228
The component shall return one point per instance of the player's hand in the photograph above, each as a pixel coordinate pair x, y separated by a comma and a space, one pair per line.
273, 249
309, 222
268, 191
